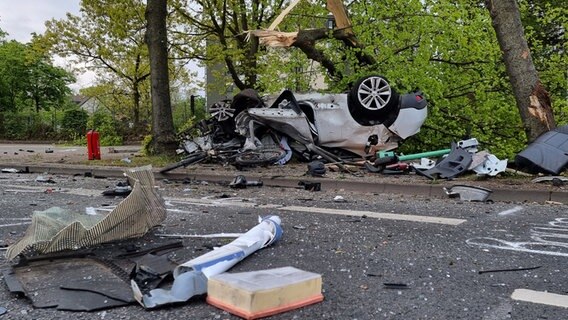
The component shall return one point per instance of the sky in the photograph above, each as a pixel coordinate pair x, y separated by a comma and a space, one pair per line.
19, 18
22, 17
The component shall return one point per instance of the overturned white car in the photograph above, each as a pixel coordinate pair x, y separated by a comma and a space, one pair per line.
371, 117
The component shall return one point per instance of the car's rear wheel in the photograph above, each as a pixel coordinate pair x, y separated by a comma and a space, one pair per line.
373, 101
261, 157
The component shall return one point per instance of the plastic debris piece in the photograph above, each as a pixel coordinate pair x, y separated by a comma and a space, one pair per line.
468, 193
286, 147
316, 168
491, 166
44, 179
10, 170
424, 164
190, 278
310, 186
121, 191
339, 199
393, 285
469, 144
240, 182
551, 179
56, 229
69, 282
547, 154
451, 166
372, 168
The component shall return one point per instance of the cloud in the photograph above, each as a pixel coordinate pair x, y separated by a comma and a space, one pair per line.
20, 18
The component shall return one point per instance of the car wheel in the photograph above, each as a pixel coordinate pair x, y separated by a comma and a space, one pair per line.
222, 110
373, 101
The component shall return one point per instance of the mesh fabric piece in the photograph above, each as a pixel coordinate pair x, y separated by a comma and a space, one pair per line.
56, 230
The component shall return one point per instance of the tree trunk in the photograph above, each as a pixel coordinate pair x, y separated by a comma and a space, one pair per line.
163, 141
531, 97
136, 101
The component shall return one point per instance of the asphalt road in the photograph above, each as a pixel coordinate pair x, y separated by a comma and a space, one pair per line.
443, 254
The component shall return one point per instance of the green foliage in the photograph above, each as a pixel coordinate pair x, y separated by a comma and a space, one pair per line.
147, 145
75, 122
449, 50
12, 75
14, 126
184, 117
215, 33
108, 38
31, 91
107, 126
28, 125
28, 79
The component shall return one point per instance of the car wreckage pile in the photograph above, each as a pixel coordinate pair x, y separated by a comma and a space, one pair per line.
360, 128
248, 130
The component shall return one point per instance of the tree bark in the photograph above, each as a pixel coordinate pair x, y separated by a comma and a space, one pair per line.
163, 140
532, 99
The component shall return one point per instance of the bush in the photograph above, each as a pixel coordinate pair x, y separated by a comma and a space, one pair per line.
74, 123
14, 126
107, 128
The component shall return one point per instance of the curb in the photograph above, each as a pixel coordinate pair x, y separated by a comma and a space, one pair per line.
424, 190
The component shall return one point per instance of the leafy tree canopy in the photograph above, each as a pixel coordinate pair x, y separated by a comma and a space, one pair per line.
108, 38
28, 78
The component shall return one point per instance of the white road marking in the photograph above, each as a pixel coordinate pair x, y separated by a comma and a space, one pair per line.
234, 202
75, 191
549, 239
14, 224
551, 299
378, 215
213, 235
510, 211
250, 203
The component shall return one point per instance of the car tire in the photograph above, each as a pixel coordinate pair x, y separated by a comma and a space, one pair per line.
260, 157
373, 101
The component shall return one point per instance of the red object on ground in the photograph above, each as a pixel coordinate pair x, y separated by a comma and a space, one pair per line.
93, 145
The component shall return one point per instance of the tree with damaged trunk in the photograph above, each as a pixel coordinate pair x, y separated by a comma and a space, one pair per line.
163, 133
446, 48
532, 98
214, 32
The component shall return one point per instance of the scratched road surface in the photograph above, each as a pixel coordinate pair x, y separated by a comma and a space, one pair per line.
449, 259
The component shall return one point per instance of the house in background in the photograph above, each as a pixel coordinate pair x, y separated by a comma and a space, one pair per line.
91, 105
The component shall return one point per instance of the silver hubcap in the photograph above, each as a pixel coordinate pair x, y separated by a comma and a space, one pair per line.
222, 111
374, 93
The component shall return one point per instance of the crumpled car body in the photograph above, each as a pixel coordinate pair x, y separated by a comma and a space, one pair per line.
369, 118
